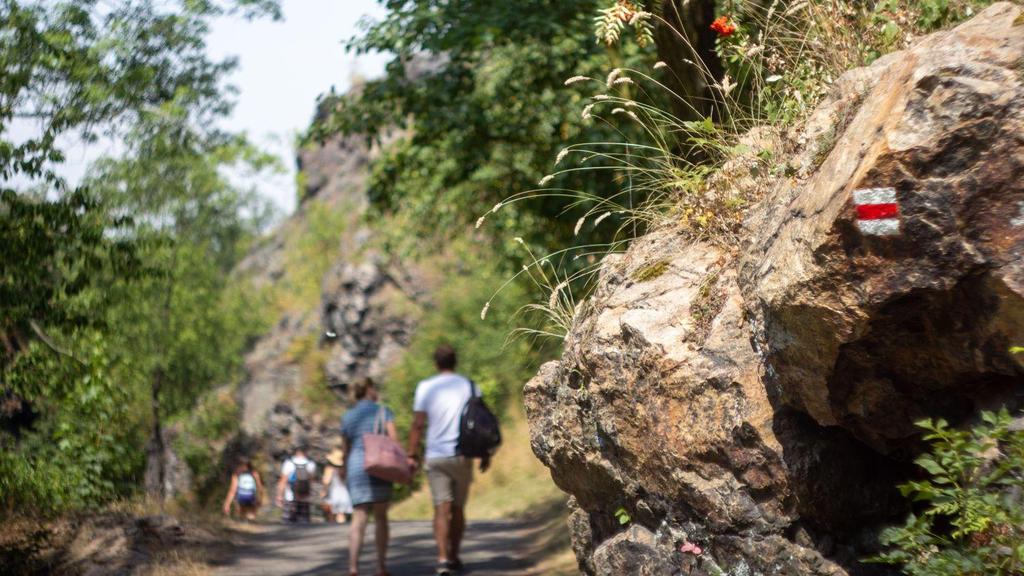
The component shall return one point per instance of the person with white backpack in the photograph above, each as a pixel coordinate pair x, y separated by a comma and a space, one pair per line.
246, 491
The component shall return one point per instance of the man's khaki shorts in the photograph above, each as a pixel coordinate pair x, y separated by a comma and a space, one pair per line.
449, 479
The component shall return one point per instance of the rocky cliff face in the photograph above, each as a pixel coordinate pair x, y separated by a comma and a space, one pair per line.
359, 326
758, 403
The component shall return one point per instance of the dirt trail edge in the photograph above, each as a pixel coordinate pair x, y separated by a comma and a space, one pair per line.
491, 548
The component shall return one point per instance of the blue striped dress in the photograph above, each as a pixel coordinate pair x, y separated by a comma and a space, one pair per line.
359, 420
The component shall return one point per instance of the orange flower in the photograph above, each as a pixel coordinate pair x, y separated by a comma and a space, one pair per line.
724, 26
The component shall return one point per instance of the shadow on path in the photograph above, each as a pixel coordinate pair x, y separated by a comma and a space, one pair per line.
491, 548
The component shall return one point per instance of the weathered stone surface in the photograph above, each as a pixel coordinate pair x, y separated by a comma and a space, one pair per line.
873, 332
633, 551
657, 407
759, 403
364, 328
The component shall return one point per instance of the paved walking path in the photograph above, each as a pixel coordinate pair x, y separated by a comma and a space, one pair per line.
491, 548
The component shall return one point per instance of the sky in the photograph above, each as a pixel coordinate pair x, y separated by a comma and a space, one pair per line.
282, 67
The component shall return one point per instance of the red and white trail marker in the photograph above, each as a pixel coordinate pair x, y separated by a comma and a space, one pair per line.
878, 213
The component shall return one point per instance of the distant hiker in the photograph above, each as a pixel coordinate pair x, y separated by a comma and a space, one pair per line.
337, 501
295, 486
246, 491
367, 492
438, 406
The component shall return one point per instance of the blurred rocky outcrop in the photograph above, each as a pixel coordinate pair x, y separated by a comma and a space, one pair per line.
751, 409
357, 328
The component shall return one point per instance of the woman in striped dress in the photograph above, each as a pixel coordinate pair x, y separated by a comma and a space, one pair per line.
367, 493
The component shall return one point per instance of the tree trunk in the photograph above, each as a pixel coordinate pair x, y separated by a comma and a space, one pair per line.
156, 453
686, 43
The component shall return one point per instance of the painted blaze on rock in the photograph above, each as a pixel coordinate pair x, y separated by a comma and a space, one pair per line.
769, 424
878, 213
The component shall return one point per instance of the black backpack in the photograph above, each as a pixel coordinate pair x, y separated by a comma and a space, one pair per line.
479, 436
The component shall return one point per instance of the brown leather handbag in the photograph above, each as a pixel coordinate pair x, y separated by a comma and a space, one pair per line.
384, 458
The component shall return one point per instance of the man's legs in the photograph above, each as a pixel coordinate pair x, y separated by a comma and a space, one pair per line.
462, 477
458, 528
356, 532
449, 484
380, 517
442, 529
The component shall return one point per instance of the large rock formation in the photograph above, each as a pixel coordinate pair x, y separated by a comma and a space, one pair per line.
751, 410
359, 326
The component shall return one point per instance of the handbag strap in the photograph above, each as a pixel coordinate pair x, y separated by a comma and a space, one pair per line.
378, 420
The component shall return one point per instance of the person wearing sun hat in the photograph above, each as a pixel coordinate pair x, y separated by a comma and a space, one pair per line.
337, 498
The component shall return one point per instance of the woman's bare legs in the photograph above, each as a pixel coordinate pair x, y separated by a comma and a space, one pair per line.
380, 518
356, 533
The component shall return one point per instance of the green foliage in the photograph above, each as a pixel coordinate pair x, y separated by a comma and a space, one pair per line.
499, 365
205, 429
309, 255
79, 453
50, 253
480, 85
195, 225
622, 516
899, 17
120, 283
971, 519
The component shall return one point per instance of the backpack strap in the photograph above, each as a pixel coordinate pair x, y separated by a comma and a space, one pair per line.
472, 388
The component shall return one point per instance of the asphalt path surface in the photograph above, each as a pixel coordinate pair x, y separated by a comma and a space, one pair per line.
490, 548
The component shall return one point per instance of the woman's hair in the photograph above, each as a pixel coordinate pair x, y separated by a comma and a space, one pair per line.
361, 386
244, 465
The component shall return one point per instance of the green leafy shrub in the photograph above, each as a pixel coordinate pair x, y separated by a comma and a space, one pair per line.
971, 521
206, 429
499, 365
80, 452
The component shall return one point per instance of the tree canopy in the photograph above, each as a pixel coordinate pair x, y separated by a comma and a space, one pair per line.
90, 323
478, 89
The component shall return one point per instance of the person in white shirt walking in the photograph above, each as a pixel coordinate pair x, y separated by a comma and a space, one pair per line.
295, 485
438, 406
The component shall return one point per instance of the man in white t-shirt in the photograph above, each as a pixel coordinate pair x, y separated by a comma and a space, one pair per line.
438, 407
295, 485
